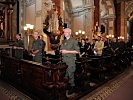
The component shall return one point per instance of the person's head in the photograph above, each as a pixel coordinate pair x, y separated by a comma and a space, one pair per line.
113, 39
18, 36
87, 40
99, 38
35, 35
78, 39
93, 40
67, 32
83, 41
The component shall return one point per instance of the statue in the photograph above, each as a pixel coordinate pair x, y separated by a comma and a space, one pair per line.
96, 31
2, 18
53, 27
1, 31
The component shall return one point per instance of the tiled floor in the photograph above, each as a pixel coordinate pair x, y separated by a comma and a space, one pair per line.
10, 93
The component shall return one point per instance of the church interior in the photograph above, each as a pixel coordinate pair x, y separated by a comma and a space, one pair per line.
42, 40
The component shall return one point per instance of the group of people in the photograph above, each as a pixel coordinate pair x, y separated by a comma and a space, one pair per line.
69, 48
37, 50
101, 46
87, 48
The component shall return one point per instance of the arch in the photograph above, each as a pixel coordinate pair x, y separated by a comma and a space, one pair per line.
108, 19
129, 11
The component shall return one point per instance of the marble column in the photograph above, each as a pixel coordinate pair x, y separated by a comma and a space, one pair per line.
126, 31
96, 11
89, 19
122, 27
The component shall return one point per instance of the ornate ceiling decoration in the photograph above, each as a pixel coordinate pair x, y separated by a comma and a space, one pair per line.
81, 9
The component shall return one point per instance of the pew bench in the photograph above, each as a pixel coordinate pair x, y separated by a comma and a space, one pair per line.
45, 81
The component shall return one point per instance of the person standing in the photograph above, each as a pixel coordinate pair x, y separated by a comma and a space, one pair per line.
99, 45
36, 51
69, 48
18, 47
43, 45
83, 48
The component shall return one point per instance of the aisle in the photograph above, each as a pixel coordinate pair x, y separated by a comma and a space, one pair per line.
124, 92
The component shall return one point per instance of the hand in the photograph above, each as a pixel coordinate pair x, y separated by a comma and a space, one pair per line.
14, 47
33, 55
96, 49
63, 51
80, 55
105, 47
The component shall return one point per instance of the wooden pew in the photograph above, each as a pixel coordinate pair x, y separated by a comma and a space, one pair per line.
82, 73
46, 81
54, 79
11, 70
32, 75
97, 68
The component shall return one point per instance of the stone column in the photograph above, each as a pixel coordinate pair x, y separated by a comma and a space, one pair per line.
90, 19
126, 31
10, 11
23, 23
93, 25
89, 23
96, 11
122, 27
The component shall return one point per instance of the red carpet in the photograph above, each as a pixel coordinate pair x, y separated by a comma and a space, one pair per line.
124, 92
